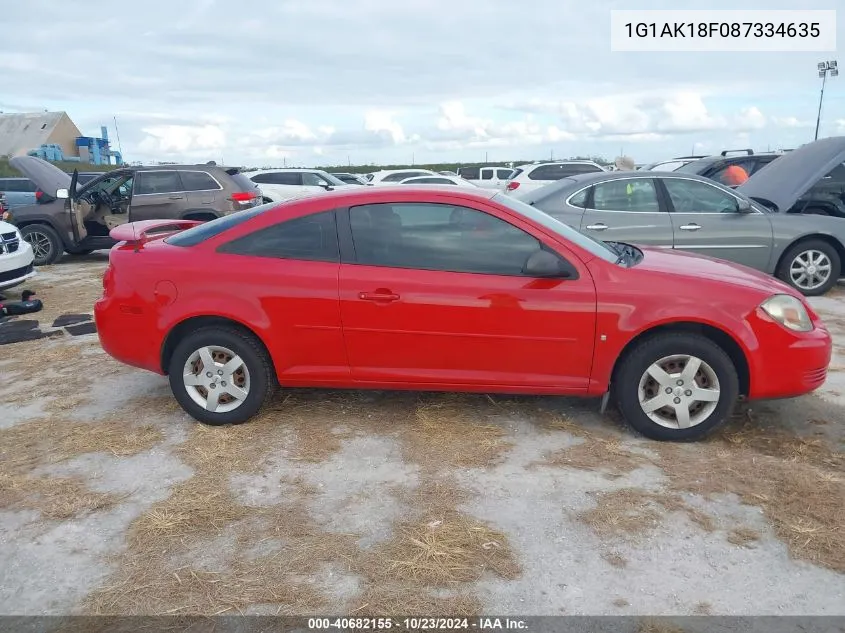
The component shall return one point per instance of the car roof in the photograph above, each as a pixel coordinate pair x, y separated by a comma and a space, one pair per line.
557, 162
578, 181
283, 169
376, 195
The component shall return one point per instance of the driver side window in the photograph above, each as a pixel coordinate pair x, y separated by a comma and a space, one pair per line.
439, 237
692, 196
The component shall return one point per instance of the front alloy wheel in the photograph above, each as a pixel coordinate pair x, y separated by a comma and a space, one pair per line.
679, 391
676, 386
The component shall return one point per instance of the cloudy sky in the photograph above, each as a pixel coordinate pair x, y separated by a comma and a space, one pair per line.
271, 82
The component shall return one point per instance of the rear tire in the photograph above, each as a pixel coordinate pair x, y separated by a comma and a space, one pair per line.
223, 363
652, 389
810, 258
46, 244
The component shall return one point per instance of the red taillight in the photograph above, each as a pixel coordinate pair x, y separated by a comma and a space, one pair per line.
245, 197
513, 184
38, 195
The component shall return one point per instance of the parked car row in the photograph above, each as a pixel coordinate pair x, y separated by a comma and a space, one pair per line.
78, 219
752, 224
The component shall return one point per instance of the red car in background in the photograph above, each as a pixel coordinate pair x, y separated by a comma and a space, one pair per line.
448, 290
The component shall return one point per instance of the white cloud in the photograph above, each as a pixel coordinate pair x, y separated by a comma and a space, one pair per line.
185, 140
381, 123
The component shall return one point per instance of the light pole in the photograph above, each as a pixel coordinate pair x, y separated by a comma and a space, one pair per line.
824, 69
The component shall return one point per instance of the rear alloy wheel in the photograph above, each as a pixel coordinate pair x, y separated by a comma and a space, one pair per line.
221, 376
46, 244
812, 267
676, 387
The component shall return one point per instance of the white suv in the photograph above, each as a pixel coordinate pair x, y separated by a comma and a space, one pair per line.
15, 257
530, 177
283, 184
487, 177
395, 176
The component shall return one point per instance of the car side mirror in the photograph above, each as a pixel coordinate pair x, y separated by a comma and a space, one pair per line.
545, 264
743, 206
323, 184
62, 194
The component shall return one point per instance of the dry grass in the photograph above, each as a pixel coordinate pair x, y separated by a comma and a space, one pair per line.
743, 536
57, 499
441, 549
448, 431
632, 512
47, 441
615, 559
408, 599
703, 608
658, 625
621, 603
797, 482
597, 453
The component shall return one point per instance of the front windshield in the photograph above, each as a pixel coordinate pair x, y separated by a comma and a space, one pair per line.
594, 246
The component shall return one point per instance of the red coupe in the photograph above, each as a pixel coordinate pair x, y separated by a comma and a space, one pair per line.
448, 290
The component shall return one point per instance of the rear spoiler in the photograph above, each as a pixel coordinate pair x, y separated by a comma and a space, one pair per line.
139, 233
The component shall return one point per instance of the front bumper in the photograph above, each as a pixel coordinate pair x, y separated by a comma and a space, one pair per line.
16, 267
787, 364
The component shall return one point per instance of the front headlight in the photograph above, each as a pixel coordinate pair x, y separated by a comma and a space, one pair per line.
789, 312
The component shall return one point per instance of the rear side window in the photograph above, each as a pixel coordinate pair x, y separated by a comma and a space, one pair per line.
17, 185
311, 237
580, 199
278, 178
402, 175
503, 174
469, 173
153, 182
207, 230
198, 181
562, 170
487, 174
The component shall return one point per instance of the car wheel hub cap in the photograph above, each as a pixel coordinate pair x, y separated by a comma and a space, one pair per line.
679, 391
40, 244
216, 379
810, 270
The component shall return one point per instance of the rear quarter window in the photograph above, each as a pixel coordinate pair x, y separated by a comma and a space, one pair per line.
242, 182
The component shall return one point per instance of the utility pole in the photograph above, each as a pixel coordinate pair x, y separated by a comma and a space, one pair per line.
824, 69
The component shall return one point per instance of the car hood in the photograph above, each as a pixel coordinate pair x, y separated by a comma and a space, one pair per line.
783, 181
47, 177
696, 267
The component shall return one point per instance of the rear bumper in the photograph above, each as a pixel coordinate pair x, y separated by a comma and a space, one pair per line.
789, 364
128, 334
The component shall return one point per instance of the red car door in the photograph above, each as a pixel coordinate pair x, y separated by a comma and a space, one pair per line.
436, 296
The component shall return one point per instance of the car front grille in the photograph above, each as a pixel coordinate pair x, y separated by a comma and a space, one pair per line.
14, 274
816, 376
8, 243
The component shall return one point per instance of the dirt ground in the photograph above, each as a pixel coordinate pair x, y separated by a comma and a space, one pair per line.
114, 501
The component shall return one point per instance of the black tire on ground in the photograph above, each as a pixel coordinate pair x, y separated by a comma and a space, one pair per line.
79, 251
633, 368
261, 373
783, 271
48, 238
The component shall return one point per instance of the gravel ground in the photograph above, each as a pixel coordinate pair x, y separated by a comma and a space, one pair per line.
114, 501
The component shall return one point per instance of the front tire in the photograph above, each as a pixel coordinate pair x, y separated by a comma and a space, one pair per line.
46, 244
676, 387
811, 267
220, 375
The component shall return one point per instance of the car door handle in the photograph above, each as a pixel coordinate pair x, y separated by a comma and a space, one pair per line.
597, 227
378, 296
689, 227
